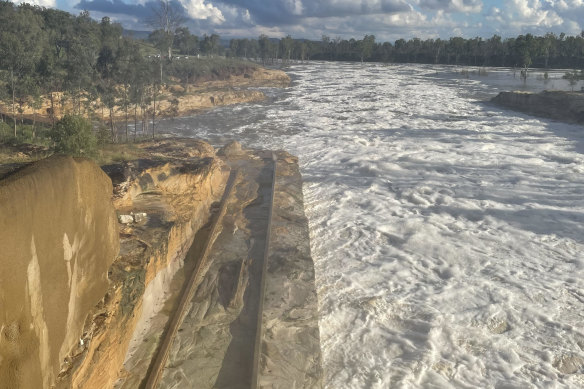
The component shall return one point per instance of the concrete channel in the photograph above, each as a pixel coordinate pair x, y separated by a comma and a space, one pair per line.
246, 316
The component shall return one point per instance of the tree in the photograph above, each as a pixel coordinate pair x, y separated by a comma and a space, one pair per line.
20, 48
107, 69
210, 45
167, 17
234, 47
366, 46
573, 78
264, 47
287, 44
73, 135
186, 43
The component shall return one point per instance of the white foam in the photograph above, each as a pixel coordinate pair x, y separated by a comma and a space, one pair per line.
448, 235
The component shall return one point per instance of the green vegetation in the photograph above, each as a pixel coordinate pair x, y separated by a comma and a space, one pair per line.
524, 51
573, 77
53, 63
73, 135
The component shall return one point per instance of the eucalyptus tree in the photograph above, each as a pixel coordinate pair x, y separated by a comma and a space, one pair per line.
264, 47
82, 54
125, 63
21, 42
167, 17
186, 42
107, 69
58, 26
234, 47
366, 46
140, 76
286, 47
210, 45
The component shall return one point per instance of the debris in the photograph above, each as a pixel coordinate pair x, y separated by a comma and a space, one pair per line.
125, 219
140, 217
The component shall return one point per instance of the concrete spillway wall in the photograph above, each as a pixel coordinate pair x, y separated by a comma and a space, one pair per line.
559, 105
58, 238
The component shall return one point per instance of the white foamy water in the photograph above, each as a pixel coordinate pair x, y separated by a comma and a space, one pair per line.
447, 234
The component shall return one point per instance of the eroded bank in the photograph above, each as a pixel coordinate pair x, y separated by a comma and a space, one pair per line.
164, 205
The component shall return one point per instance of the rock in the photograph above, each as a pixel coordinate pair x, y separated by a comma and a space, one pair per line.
140, 217
125, 219
177, 89
568, 363
497, 325
230, 149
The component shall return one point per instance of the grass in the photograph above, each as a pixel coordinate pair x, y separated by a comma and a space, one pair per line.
118, 152
29, 147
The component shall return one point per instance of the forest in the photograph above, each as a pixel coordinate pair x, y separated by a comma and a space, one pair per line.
49, 55
549, 51
92, 67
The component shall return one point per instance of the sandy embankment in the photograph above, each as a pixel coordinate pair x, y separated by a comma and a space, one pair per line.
202, 95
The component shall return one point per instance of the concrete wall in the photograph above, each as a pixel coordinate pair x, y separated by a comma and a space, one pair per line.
58, 238
559, 105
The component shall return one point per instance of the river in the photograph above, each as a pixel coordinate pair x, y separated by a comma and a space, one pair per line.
447, 233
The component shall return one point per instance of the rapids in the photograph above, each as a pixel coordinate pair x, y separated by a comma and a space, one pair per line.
447, 233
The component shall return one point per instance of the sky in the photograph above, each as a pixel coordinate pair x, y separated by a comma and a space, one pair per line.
388, 20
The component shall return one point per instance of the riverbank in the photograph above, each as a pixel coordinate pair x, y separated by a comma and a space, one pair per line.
150, 218
233, 86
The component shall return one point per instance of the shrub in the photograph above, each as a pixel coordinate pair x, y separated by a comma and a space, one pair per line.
73, 135
104, 135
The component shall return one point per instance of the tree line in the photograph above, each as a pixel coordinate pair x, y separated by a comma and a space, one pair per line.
51, 54
94, 68
91, 67
548, 51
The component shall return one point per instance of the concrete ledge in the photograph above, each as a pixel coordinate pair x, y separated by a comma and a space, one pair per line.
560, 105
291, 356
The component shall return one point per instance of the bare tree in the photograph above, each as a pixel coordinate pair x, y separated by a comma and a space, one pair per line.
167, 16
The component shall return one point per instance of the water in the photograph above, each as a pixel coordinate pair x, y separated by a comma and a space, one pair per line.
447, 233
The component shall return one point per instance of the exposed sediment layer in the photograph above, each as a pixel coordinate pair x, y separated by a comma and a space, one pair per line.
59, 236
176, 195
214, 347
559, 105
120, 279
174, 99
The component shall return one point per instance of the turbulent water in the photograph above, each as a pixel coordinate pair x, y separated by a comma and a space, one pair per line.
447, 233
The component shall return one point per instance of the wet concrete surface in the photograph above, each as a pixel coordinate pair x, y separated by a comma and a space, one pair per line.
214, 346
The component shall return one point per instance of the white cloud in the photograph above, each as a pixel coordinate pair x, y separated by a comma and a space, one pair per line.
198, 9
41, 3
467, 6
295, 7
520, 16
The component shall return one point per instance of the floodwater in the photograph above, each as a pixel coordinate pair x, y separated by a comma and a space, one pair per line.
447, 233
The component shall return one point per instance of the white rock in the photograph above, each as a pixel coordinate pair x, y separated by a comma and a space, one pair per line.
125, 219
140, 217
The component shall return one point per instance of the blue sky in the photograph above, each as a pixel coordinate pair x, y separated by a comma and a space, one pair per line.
388, 20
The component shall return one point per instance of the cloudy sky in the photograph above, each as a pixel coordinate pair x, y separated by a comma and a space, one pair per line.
388, 20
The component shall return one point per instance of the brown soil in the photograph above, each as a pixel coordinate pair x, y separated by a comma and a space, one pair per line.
57, 227
226, 87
